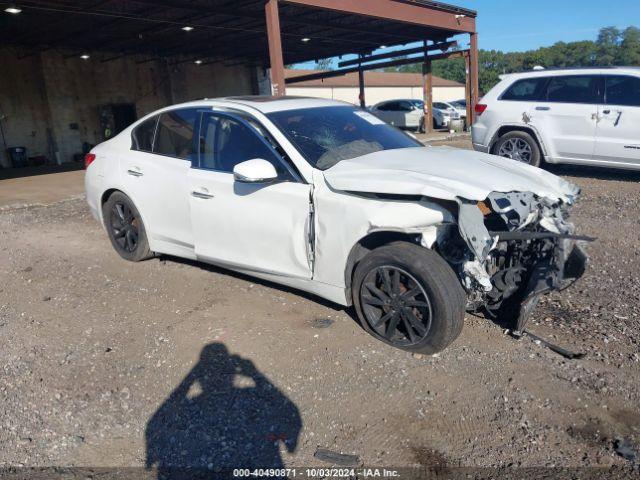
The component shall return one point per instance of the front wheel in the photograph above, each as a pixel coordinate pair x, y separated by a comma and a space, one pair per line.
409, 297
519, 146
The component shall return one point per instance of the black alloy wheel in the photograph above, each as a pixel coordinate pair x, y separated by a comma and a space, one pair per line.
124, 227
396, 306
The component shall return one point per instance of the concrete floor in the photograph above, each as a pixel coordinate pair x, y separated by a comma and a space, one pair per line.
41, 189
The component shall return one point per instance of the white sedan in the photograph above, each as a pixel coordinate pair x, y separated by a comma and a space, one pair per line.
410, 114
327, 198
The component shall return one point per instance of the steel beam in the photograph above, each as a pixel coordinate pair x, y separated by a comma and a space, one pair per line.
410, 51
398, 11
374, 66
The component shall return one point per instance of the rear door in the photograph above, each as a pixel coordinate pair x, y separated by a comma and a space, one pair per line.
566, 116
156, 179
261, 227
618, 133
409, 115
388, 112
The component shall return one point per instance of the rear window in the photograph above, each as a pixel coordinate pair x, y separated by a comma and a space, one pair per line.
175, 134
623, 90
527, 89
142, 135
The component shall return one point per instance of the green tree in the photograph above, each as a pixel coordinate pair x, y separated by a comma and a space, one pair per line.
629, 51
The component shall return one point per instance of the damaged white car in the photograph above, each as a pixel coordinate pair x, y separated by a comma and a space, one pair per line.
326, 198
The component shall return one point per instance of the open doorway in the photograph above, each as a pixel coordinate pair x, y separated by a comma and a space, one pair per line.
116, 117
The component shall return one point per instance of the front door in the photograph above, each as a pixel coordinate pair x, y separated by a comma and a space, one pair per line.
618, 134
261, 227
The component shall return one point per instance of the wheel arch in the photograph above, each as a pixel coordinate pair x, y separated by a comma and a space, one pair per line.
110, 191
370, 242
504, 129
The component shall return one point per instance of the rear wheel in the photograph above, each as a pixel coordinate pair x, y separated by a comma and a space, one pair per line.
125, 228
519, 146
407, 296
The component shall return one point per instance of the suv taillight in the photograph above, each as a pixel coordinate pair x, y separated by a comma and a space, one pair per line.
88, 159
480, 108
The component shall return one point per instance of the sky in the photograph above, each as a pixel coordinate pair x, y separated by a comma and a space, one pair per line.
513, 25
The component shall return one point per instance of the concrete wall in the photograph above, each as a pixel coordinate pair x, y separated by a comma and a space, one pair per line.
374, 95
42, 95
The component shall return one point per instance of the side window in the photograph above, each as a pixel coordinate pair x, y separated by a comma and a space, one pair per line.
142, 135
386, 107
405, 107
573, 89
623, 90
528, 89
174, 137
225, 142
440, 106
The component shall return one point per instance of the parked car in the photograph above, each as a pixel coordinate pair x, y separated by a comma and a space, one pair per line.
327, 198
579, 116
410, 114
461, 110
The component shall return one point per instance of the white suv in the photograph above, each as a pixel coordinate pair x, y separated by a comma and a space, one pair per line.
581, 116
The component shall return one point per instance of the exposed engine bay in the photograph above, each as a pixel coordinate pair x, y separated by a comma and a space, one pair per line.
511, 248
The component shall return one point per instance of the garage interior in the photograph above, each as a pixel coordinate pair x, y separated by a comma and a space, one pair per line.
77, 73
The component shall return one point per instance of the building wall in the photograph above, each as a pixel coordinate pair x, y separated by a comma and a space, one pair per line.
374, 95
42, 96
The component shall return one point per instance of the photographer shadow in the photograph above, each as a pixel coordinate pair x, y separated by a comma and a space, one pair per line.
225, 414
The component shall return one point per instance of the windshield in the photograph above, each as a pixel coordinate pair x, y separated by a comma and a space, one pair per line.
327, 135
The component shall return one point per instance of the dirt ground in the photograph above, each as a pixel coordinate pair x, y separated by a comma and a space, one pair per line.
169, 362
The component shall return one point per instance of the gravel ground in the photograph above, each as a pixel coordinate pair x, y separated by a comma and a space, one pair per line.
169, 362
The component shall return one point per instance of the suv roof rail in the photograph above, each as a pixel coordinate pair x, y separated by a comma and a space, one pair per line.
594, 67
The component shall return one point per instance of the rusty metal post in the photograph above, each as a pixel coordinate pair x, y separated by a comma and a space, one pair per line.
274, 39
473, 71
467, 91
427, 92
363, 103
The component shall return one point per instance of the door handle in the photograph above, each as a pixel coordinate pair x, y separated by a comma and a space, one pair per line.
135, 172
615, 124
543, 109
606, 112
203, 194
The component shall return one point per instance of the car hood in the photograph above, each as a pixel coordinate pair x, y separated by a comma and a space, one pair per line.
445, 173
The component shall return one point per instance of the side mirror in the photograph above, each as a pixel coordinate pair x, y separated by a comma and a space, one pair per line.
254, 171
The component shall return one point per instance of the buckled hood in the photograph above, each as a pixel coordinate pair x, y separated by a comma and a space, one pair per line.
445, 173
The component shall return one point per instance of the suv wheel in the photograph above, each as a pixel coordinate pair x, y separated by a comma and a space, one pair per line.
519, 146
125, 228
409, 297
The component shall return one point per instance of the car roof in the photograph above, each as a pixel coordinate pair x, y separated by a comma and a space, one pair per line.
553, 72
262, 103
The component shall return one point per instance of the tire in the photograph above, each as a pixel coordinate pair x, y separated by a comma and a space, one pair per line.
523, 148
439, 304
125, 228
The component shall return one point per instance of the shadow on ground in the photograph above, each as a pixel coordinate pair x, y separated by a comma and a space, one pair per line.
601, 173
8, 173
224, 414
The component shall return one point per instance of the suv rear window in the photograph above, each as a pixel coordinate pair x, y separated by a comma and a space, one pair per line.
527, 89
623, 90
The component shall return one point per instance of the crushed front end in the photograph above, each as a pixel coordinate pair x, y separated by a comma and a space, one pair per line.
511, 248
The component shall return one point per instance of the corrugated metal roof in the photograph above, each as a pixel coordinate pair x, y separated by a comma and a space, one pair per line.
371, 79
